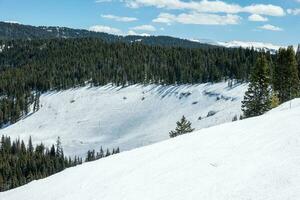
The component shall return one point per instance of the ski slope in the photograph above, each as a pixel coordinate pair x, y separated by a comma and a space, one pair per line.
88, 118
252, 159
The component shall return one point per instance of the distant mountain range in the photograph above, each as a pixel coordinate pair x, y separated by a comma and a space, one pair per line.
11, 30
259, 46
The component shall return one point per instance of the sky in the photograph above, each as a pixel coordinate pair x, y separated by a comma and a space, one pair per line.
270, 21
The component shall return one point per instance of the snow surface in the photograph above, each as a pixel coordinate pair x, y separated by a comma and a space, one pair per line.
252, 159
88, 118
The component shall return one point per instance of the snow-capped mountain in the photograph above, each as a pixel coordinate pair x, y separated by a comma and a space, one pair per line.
256, 45
88, 118
256, 158
259, 46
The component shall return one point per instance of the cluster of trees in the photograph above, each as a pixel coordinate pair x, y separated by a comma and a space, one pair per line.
28, 68
183, 127
272, 82
93, 155
21, 163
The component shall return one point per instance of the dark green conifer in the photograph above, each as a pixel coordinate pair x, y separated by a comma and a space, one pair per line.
20, 164
30, 145
298, 59
183, 126
285, 79
257, 99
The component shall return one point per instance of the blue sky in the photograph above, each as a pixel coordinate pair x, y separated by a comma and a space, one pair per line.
274, 21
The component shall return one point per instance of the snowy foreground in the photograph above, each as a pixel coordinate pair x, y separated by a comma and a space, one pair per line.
88, 118
253, 159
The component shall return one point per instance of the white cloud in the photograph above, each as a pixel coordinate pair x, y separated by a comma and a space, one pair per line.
105, 29
103, 1
165, 18
257, 18
131, 32
207, 6
270, 27
198, 18
201, 6
149, 28
295, 11
263, 9
119, 18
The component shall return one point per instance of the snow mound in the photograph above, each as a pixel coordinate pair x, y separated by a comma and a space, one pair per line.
256, 158
88, 118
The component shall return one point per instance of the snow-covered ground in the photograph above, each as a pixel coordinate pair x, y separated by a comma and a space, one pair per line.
87, 118
255, 159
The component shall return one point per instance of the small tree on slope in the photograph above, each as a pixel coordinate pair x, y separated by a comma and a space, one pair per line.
257, 99
183, 126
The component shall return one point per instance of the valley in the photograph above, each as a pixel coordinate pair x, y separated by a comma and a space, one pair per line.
87, 118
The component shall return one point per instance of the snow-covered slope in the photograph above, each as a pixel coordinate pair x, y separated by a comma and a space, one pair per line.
87, 118
255, 159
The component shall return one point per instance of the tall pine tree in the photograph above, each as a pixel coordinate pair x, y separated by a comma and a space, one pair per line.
286, 78
257, 99
298, 59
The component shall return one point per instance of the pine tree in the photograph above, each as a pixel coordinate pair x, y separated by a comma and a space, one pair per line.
257, 99
36, 104
107, 153
52, 151
30, 145
101, 153
286, 79
59, 149
183, 126
298, 59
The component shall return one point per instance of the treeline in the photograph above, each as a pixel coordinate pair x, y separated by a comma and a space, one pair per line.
13, 31
93, 155
21, 163
273, 83
28, 68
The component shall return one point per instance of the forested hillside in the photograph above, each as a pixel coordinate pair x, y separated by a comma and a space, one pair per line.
28, 68
13, 31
